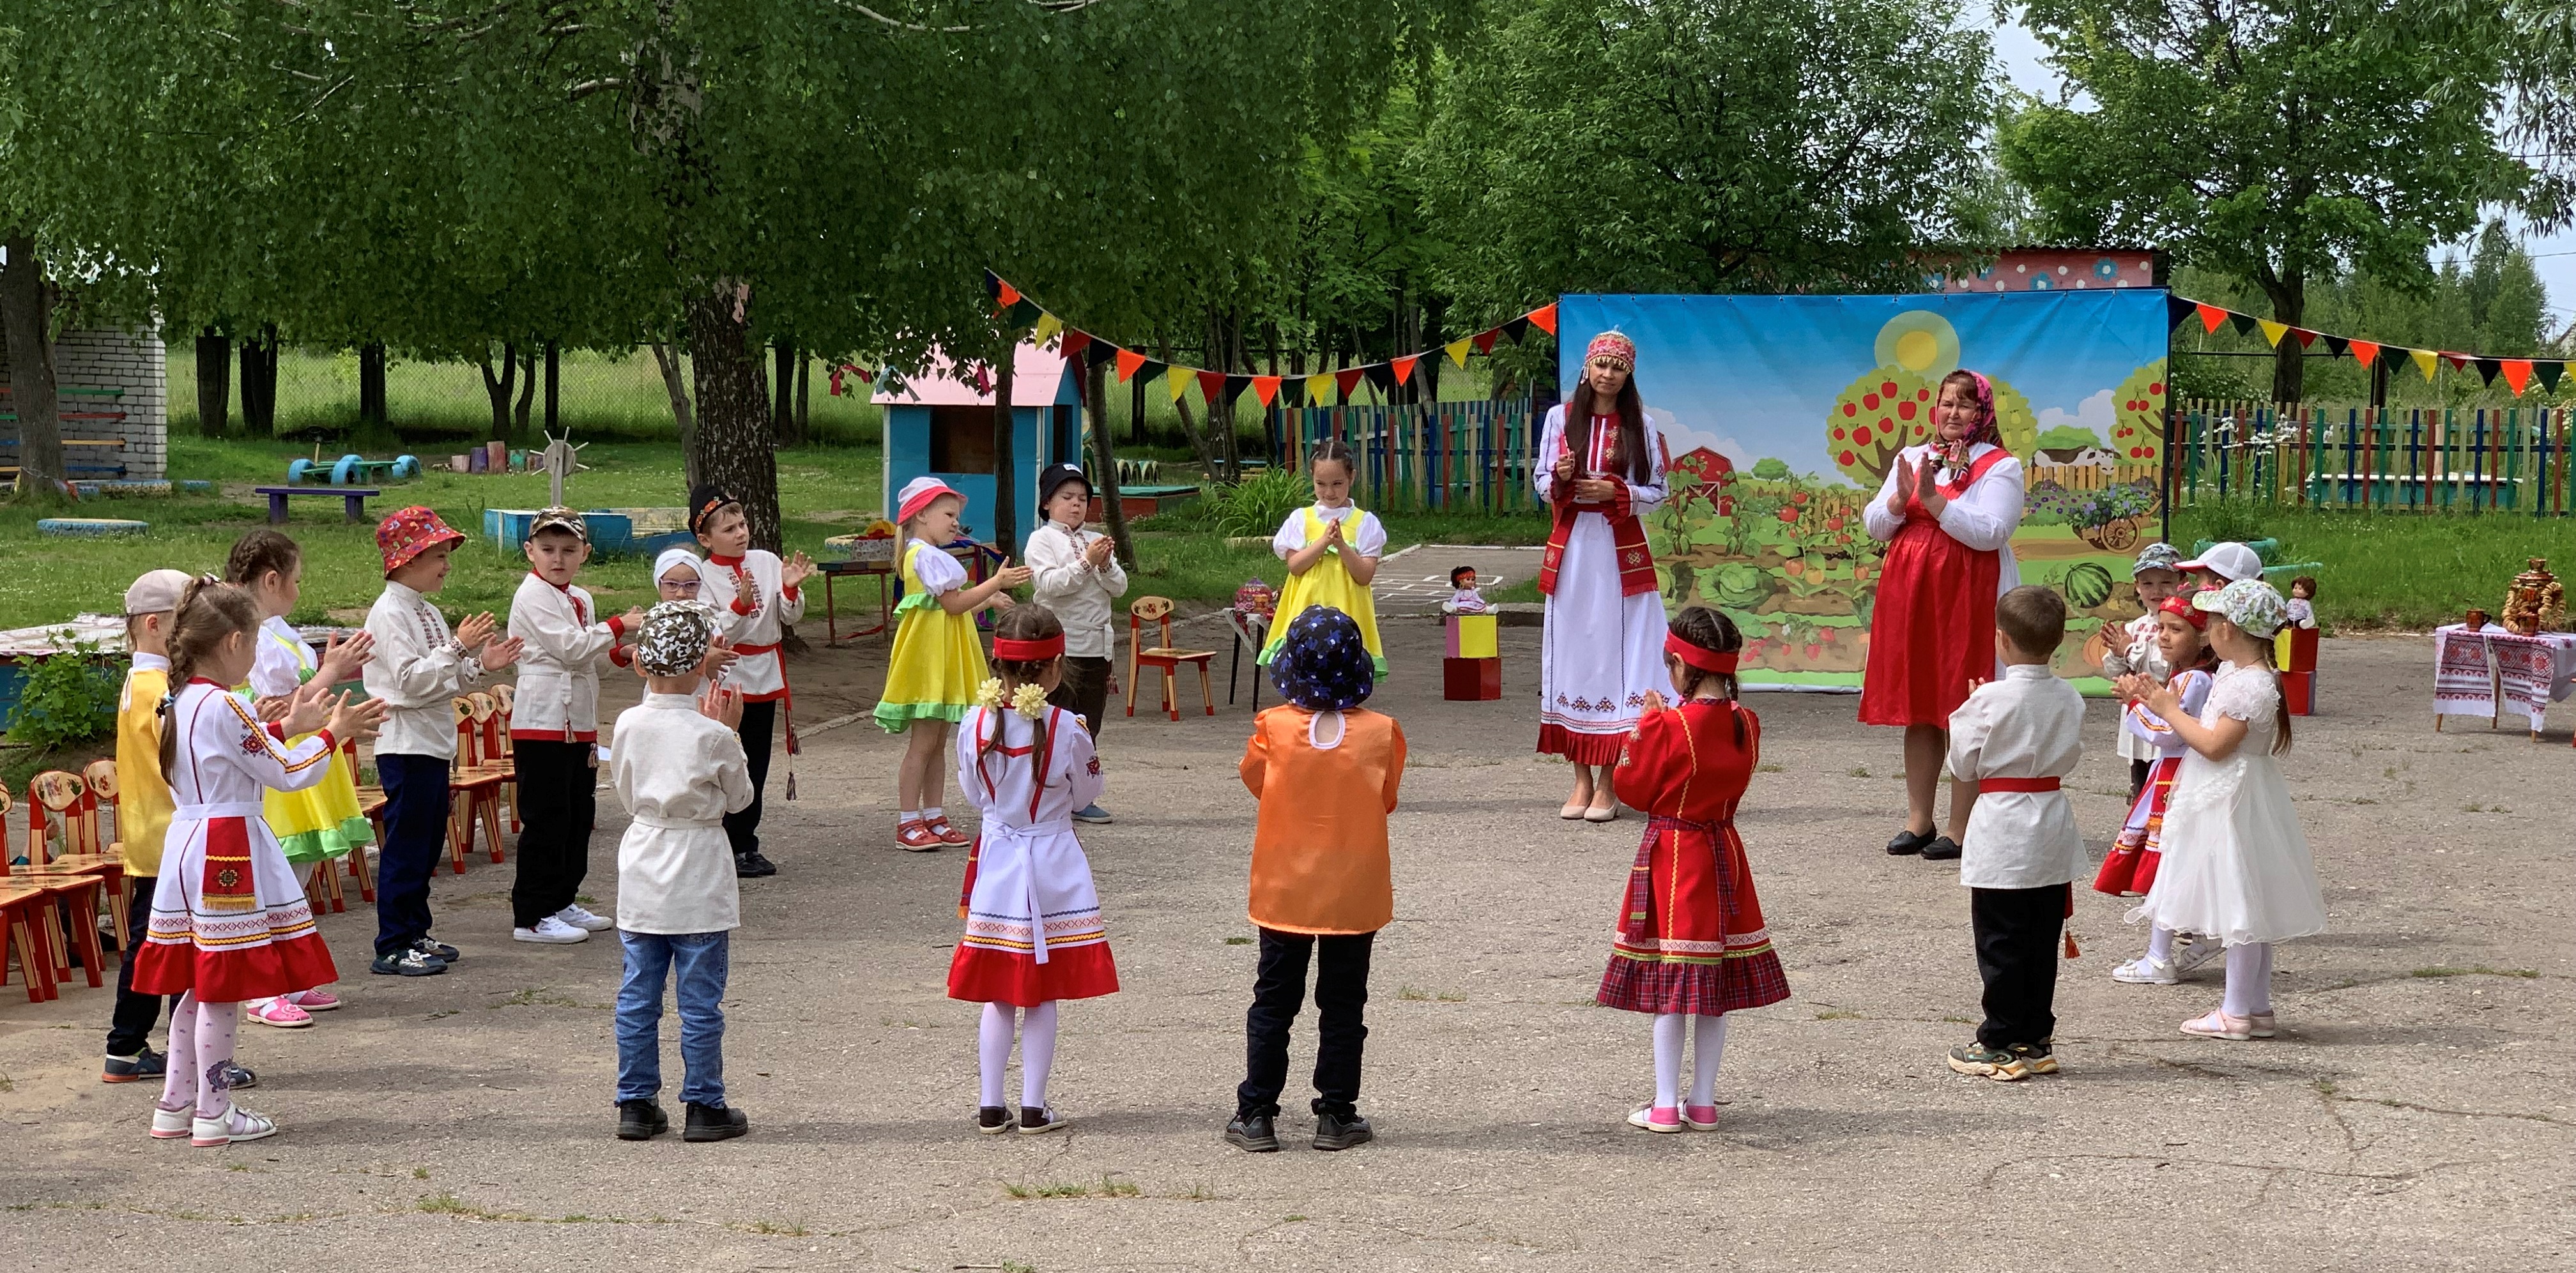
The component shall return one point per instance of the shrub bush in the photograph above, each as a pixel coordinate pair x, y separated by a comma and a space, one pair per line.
67, 699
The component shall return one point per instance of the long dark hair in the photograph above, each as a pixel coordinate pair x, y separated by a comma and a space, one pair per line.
208, 613
1028, 621
1711, 630
1632, 451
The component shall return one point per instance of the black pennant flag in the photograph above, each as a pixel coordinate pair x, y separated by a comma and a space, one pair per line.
1234, 387
2178, 309
2549, 372
2243, 323
2336, 345
2490, 368
1517, 328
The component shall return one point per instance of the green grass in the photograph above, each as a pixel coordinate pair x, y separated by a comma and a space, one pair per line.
2394, 570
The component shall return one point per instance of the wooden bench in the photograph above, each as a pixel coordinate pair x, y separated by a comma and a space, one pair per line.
353, 499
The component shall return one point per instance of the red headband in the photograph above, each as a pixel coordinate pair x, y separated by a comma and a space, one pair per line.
2179, 606
1704, 660
1039, 651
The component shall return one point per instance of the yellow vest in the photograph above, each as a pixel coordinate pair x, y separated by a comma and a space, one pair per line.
143, 804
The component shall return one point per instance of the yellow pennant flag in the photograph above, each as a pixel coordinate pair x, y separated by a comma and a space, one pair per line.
1178, 380
2426, 361
2272, 331
1317, 386
1457, 349
1048, 326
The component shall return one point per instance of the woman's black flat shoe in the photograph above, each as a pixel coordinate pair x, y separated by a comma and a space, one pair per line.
1909, 842
1943, 849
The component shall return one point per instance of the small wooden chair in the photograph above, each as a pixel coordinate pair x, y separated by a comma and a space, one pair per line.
498, 746
25, 924
57, 798
1163, 658
100, 777
371, 802
474, 789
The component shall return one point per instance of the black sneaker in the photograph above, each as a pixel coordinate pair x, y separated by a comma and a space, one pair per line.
752, 865
444, 952
1252, 1133
641, 1120
1039, 1121
239, 1077
1943, 849
714, 1122
411, 962
1334, 1131
146, 1064
992, 1120
1908, 843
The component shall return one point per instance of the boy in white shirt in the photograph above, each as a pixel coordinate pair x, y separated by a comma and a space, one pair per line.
2017, 738
418, 666
554, 730
679, 770
1077, 575
755, 596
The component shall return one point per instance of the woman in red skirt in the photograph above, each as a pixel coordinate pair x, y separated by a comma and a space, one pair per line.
1690, 945
1947, 512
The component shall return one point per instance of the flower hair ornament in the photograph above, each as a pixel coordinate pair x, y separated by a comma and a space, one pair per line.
1028, 700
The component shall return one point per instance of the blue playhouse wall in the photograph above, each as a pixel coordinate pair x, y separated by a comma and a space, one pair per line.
1041, 435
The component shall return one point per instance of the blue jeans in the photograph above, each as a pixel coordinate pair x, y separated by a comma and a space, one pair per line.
699, 961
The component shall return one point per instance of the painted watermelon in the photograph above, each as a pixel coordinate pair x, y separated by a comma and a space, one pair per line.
2086, 585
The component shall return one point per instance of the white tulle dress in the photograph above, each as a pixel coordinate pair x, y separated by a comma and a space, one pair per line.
2236, 865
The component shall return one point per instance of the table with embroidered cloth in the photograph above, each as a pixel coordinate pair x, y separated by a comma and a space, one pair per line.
2491, 671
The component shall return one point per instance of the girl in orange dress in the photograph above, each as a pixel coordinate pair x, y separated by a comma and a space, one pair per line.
1690, 944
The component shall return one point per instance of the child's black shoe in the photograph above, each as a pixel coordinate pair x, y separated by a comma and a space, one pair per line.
714, 1122
146, 1064
1040, 1120
1335, 1131
1942, 849
752, 865
641, 1120
992, 1120
1253, 1134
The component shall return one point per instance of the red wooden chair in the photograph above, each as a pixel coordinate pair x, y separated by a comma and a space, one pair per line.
1164, 657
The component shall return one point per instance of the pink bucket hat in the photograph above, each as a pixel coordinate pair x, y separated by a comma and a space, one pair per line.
917, 495
411, 532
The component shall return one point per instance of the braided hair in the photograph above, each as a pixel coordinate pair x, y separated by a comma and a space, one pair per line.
210, 612
1710, 630
1029, 622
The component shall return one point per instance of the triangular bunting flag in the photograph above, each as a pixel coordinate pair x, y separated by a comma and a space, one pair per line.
2517, 373
1544, 318
1177, 381
2210, 317
2426, 361
2549, 372
1266, 388
1292, 392
2364, 352
1381, 375
2307, 338
2273, 332
2459, 362
993, 286
2176, 310
1129, 363
1457, 350
1024, 312
1484, 340
1075, 341
2336, 345
1517, 328
1404, 368
1048, 325
2490, 368
1317, 386
2244, 323
1234, 387
1348, 379
1212, 386
1005, 295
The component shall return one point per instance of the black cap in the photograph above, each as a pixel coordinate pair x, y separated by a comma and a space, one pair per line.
1057, 475
704, 499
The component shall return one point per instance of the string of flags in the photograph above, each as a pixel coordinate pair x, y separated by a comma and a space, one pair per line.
2517, 373
1323, 388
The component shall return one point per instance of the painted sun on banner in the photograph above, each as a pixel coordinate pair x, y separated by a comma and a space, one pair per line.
1784, 413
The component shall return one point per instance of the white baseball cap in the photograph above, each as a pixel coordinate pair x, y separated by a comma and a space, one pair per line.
157, 592
2231, 562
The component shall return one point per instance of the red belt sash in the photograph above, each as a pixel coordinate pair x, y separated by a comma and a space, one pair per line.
1985, 785
1627, 537
770, 648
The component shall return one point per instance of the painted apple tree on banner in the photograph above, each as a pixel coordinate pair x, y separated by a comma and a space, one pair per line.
1784, 414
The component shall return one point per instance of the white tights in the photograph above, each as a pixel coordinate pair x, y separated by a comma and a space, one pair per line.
2249, 980
201, 1049
1709, 1045
1037, 1051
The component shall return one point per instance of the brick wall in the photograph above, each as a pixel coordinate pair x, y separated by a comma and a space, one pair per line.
107, 359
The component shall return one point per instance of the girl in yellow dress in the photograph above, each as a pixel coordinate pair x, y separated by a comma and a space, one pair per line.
322, 823
938, 659
1332, 550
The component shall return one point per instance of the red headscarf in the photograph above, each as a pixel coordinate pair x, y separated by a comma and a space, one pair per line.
1955, 455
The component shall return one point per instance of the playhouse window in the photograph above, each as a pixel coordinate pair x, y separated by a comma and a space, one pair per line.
961, 439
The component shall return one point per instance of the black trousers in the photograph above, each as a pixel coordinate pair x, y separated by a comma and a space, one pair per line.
1084, 690
759, 720
2138, 771
130, 1026
558, 803
1278, 991
415, 834
2017, 932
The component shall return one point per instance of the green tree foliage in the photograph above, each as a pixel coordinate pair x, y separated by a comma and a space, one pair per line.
2279, 143
1711, 146
2067, 437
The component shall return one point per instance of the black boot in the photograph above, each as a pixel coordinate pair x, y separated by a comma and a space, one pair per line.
714, 1122
1253, 1134
641, 1120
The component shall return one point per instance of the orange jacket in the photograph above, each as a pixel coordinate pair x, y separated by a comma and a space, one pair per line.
1319, 851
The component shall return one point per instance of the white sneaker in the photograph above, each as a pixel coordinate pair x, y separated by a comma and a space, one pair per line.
235, 1124
2144, 971
173, 1124
584, 920
2198, 951
551, 931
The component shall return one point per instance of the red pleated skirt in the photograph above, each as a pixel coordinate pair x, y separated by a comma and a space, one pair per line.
980, 974
1931, 629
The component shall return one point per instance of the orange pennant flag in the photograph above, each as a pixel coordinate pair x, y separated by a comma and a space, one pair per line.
1008, 296
1404, 367
1267, 387
1544, 318
1128, 361
2211, 317
2517, 372
2364, 352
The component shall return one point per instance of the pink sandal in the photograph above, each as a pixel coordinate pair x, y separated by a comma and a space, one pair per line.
2219, 1025
1663, 1120
278, 1012
314, 1000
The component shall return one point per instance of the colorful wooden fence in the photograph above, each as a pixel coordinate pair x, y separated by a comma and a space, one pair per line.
1469, 455
2511, 459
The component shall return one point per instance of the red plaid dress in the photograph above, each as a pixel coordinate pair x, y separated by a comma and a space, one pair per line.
1690, 935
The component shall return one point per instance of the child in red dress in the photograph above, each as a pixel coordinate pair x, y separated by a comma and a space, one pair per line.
1690, 941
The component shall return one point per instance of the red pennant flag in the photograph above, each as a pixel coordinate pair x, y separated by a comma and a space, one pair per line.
2210, 317
836, 382
2459, 362
1074, 343
1267, 387
1349, 380
1128, 361
1404, 368
1485, 339
2365, 352
2517, 372
1211, 384
2306, 337
1007, 296
1544, 318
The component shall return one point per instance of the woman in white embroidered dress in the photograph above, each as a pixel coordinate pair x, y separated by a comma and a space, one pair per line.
1602, 649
